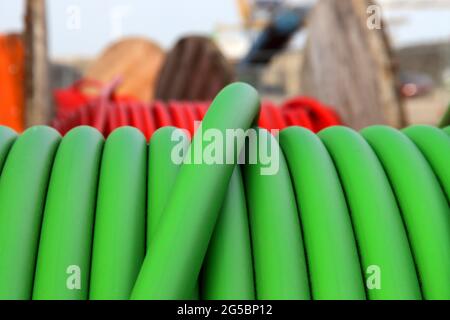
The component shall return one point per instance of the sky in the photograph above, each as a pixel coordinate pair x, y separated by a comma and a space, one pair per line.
86, 27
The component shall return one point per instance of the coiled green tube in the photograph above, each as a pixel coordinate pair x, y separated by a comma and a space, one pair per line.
383, 244
228, 267
181, 241
434, 145
23, 187
228, 272
7, 138
335, 216
334, 267
64, 256
278, 251
119, 234
425, 210
162, 174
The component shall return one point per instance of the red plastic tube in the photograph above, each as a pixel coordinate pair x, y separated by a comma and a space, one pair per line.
107, 114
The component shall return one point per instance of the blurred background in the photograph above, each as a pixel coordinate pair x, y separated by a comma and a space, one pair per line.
385, 61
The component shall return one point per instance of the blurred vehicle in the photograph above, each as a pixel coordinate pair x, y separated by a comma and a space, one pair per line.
414, 84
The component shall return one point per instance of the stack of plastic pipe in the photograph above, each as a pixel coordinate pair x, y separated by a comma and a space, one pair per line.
347, 215
107, 115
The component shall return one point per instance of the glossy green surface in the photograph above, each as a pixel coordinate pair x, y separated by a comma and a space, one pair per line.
334, 266
119, 233
184, 231
278, 250
64, 256
423, 204
23, 187
228, 267
382, 239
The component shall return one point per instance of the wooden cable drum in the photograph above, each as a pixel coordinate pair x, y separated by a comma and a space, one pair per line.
38, 102
350, 66
136, 60
195, 69
11, 81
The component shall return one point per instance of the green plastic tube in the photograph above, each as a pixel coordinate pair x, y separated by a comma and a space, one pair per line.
435, 147
184, 231
228, 267
227, 271
119, 234
162, 174
23, 187
279, 256
425, 210
7, 138
64, 256
334, 266
386, 257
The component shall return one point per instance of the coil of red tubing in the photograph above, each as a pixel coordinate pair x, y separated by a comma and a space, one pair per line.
106, 116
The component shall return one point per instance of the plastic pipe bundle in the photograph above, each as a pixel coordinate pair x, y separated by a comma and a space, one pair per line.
107, 115
347, 215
